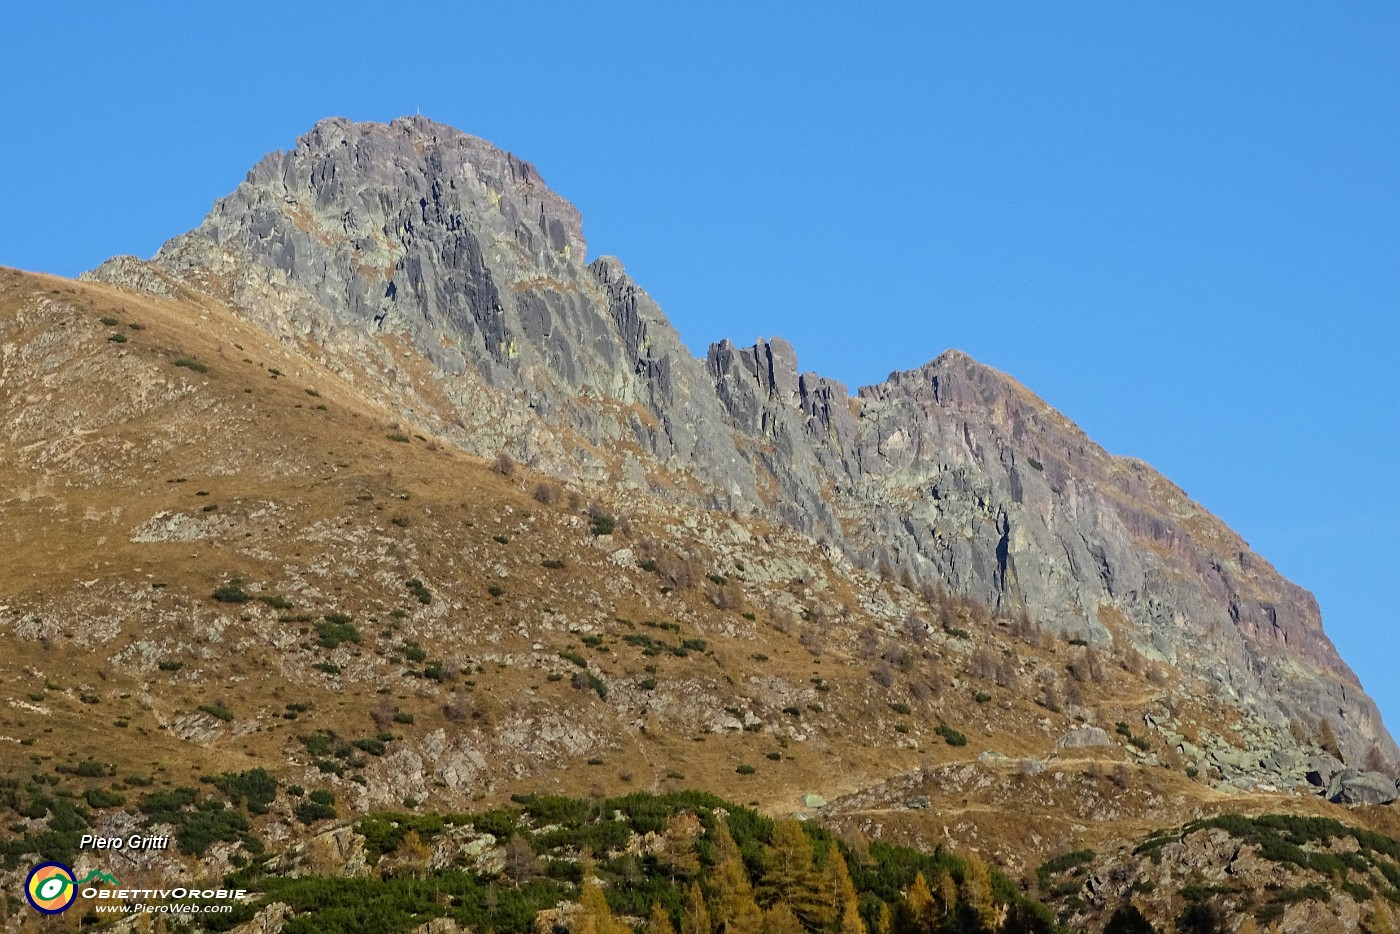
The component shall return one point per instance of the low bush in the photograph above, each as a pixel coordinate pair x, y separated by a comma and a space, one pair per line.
420, 591
217, 710
231, 592
951, 736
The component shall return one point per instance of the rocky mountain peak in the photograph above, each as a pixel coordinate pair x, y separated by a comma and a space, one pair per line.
441, 271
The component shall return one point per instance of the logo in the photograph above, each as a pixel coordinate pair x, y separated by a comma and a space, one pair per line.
96, 876
51, 888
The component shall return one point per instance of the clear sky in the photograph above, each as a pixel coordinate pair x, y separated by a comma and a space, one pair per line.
1178, 223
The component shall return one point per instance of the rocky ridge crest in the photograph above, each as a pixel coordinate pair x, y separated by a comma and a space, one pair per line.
377, 248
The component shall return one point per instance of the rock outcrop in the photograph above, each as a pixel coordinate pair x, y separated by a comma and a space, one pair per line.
1352, 786
433, 264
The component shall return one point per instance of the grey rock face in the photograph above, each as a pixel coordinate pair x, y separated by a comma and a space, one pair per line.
367, 239
1351, 786
1084, 737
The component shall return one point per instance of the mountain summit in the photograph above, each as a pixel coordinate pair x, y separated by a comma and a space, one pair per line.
368, 241
371, 506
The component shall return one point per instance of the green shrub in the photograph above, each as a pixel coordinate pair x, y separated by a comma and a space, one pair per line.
398, 436
414, 652
746, 770
191, 364
575, 657
98, 798
117, 338
603, 525
232, 592
335, 630
901, 708
319, 805
110, 321
217, 710
255, 789
276, 601
981, 697
170, 665
374, 747
951, 736
420, 591
1062, 863
554, 564
163, 807
318, 744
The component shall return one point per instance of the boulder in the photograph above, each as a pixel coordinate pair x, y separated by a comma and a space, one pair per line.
1083, 737
1352, 786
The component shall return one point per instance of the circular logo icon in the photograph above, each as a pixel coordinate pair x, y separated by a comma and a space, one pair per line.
50, 888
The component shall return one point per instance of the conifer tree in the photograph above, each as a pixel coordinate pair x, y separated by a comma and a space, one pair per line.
886, 922
732, 906
976, 891
779, 919
413, 855
945, 893
922, 908
678, 850
696, 918
851, 922
840, 890
595, 917
792, 878
659, 922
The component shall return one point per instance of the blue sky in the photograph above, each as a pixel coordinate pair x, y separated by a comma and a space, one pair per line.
1178, 223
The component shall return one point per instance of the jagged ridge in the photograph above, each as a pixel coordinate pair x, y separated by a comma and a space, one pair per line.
368, 238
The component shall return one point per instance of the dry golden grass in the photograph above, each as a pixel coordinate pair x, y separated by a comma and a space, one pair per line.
321, 503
